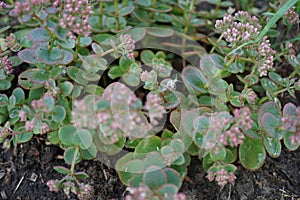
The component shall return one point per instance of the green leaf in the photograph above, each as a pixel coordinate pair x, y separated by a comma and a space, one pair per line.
39, 35
54, 56
85, 41
177, 145
66, 88
173, 177
53, 137
76, 75
51, 57
49, 103
252, 154
220, 155
12, 102
67, 43
99, 38
81, 175
24, 137
115, 72
231, 155
110, 149
211, 65
147, 56
131, 79
3, 100
288, 143
271, 125
3, 114
90, 153
59, 113
269, 107
126, 10
93, 89
154, 177
169, 189
61, 169
4, 85
83, 138
29, 56
66, 134
194, 78
289, 109
144, 3
160, 32
19, 94
272, 145
126, 166
61, 33
97, 48
137, 34
69, 155
148, 145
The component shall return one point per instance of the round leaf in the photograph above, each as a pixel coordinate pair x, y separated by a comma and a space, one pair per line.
66, 134
83, 138
252, 154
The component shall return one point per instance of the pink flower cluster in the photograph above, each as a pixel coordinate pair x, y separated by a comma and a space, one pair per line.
40, 108
292, 124
12, 43
127, 46
83, 115
147, 76
154, 108
242, 118
75, 17
83, 191
3, 4
4, 132
239, 28
6, 64
115, 118
292, 16
144, 193
221, 176
27, 6
234, 136
138, 193
53, 185
265, 56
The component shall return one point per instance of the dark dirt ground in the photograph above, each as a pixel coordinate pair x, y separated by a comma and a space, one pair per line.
278, 179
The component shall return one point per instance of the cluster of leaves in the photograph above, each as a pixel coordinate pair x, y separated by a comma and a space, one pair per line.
64, 93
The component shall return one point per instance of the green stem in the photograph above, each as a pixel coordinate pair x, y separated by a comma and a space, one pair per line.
153, 5
250, 77
263, 100
77, 47
12, 2
74, 160
293, 74
116, 4
186, 28
215, 45
100, 24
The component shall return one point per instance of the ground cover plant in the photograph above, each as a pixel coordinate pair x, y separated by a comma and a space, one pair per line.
147, 86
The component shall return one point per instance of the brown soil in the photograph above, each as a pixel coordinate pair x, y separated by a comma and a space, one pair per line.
278, 179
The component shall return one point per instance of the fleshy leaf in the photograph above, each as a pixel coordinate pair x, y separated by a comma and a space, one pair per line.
252, 154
